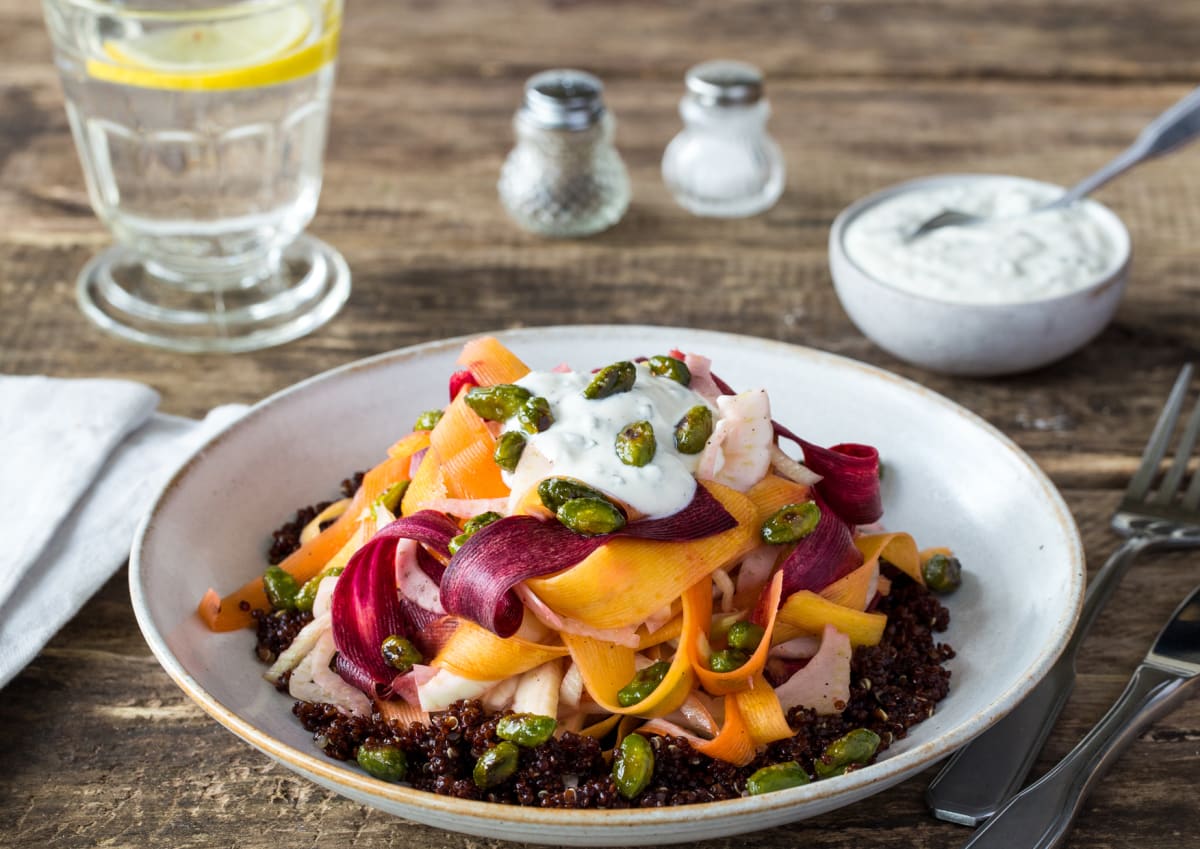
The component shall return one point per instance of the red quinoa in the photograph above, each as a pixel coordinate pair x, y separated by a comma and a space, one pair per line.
276, 630
894, 686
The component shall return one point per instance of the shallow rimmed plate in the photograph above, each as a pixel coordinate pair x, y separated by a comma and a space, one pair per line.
950, 479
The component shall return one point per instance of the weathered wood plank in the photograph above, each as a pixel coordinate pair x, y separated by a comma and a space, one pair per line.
436, 238
956, 39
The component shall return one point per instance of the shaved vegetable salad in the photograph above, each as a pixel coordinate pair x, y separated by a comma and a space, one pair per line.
626, 555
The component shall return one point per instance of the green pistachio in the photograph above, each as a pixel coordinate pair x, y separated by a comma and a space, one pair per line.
387, 763
633, 767
791, 523
281, 588
497, 403
854, 749
400, 653
591, 516
470, 527
643, 684
496, 765
942, 574
611, 380
745, 636
727, 660
509, 448
670, 367
635, 444
308, 593
392, 496
526, 729
776, 777
427, 420
534, 415
555, 492
694, 429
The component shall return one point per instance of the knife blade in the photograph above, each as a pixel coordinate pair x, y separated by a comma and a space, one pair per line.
1040, 816
1178, 645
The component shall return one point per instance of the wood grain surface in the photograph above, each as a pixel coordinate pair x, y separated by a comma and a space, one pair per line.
98, 747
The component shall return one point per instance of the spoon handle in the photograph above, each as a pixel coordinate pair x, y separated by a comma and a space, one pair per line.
1173, 128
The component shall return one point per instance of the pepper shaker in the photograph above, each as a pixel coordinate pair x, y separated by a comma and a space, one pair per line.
564, 177
723, 163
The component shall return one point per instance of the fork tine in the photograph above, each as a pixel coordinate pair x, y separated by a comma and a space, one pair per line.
1139, 485
1170, 484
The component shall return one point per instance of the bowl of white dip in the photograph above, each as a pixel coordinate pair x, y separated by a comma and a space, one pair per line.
1010, 295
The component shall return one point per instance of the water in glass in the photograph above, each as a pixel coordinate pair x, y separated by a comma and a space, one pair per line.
201, 130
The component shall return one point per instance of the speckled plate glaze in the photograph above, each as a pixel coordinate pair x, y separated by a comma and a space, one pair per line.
951, 479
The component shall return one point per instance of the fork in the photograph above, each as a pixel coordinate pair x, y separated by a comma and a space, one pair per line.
982, 775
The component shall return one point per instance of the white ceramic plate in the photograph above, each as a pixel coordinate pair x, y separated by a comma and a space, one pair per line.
950, 479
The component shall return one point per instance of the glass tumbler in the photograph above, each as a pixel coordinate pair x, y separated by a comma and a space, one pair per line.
723, 163
200, 125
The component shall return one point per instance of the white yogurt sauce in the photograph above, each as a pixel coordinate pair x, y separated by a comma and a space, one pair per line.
1015, 257
581, 442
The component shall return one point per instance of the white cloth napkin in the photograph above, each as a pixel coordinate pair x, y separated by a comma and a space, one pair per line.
80, 463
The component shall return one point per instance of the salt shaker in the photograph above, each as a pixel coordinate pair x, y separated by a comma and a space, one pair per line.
564, 177
723, 163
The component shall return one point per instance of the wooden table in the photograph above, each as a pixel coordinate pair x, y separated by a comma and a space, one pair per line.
99, 748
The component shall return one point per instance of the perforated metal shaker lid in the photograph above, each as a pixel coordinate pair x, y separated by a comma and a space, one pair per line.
723, 82
563, 99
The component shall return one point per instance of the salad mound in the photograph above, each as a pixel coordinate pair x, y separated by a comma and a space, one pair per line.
626, 557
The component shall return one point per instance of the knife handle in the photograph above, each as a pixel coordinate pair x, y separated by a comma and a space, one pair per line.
1040, 816
982, 775
986, 772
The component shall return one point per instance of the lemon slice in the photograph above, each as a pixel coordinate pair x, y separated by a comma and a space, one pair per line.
242, 52
216, 46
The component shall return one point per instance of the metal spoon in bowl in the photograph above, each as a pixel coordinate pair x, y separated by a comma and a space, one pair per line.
1172, 129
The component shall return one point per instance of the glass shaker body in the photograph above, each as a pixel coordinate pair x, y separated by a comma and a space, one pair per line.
564, 177
723, 163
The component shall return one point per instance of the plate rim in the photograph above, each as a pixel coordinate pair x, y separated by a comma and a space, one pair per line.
734, 813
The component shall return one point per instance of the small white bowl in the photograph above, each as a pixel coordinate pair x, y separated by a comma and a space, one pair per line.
974, 339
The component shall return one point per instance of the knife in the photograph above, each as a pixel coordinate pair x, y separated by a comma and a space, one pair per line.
1041, 815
